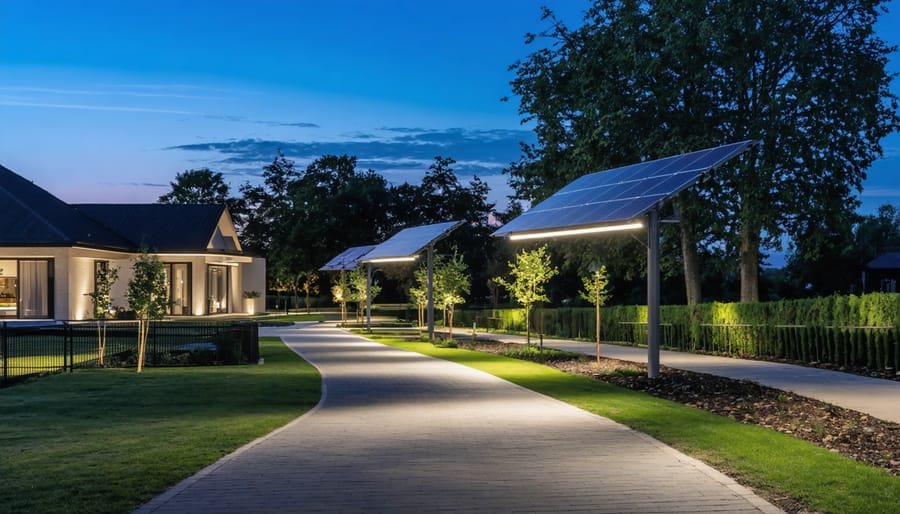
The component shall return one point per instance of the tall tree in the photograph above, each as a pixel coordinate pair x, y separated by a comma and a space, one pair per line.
270, 204
641, 80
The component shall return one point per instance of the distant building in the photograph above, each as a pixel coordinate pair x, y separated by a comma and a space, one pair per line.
51, 251
882, 273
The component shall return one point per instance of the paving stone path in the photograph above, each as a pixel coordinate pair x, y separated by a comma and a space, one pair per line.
400, 432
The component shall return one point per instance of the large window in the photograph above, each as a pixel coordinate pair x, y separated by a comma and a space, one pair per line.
217, 283
178, 286
35, 288
9, 288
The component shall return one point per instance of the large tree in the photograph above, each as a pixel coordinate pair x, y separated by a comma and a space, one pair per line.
204, 186
642, 80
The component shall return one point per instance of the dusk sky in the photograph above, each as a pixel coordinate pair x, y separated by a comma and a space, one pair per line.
106, 101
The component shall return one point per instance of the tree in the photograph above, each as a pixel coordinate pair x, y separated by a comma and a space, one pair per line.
531, 271
642, 80
596, 291
204, 186
357, 280
104, 278
269, 205
419, 291
451, 281
310, 286
147, 296
341, 294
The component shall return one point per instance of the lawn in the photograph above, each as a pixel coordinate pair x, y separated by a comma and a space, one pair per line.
293, 318
107, 440
778, 465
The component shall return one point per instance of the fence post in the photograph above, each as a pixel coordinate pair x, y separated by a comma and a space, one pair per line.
4, 351
71, 341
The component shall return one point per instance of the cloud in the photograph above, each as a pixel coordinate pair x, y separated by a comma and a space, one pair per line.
244, 119
88, 107
388, 150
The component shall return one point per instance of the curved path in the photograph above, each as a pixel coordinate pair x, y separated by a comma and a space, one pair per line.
874, 396
400, 432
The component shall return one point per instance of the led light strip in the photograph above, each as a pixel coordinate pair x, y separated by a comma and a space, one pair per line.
576, 231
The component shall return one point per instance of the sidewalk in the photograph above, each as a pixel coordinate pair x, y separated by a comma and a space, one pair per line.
399, 432
874, 396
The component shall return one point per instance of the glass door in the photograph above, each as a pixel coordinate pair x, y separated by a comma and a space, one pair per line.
178, 286
217, 284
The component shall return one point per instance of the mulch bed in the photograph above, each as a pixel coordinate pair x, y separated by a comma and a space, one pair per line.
848, 432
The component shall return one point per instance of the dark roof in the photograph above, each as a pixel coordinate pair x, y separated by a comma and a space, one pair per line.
890, 260
31, 216
159, 227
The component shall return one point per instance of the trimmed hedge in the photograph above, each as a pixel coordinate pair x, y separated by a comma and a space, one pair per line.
857, 331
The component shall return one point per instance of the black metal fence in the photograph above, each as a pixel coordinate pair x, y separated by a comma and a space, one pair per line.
28, 349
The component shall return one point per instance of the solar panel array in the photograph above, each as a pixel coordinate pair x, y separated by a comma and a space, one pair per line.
347, 260
621, 194
411, 241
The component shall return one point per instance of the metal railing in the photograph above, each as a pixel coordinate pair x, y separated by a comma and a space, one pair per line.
29, 349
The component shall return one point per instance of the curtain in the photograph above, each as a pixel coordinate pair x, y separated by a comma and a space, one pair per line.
34, 289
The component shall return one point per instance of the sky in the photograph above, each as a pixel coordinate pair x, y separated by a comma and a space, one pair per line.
106, 101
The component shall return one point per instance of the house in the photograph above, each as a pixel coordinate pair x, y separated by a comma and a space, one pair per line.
50, 252
882, 273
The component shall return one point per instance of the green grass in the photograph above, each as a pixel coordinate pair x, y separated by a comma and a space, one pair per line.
776, 464
107, 440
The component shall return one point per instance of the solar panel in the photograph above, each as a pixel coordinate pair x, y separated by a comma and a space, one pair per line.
347, 260
621, 194
410, 241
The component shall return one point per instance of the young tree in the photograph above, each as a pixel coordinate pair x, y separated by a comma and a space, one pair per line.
147, 296
420, 293
310, 286
531, 271
341, 294
357, 280
451, 282
596, 291
104, 279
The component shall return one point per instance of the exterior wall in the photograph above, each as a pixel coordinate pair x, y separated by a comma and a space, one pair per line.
73, 272
254, 279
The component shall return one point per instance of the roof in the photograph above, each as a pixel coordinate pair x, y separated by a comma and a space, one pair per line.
159, 227
890, 260
31, 216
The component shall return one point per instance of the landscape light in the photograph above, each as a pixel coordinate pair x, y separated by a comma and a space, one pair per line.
393, 259
576, 231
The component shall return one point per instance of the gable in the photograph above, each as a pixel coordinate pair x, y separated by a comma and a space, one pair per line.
225, 238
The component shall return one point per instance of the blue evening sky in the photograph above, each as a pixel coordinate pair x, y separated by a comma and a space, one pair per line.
105, 101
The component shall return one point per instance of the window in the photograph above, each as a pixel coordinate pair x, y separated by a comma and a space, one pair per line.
217, 284
35, 287
9, 287
178, 287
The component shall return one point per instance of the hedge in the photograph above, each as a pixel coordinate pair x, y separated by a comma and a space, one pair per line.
854, 331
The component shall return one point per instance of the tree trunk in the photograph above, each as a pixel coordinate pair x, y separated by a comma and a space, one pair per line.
307, 303
142, 343
691, 259
449, 314
749, 265
527, 326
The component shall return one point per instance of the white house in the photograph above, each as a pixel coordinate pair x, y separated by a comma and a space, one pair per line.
50, 252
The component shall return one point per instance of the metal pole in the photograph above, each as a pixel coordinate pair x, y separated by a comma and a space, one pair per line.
368, 297
653, 294
431, 292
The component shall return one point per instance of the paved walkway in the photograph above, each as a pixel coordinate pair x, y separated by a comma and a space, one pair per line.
400, 432
875, 396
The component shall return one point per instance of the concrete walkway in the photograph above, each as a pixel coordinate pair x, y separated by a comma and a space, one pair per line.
400, 432
874, 396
